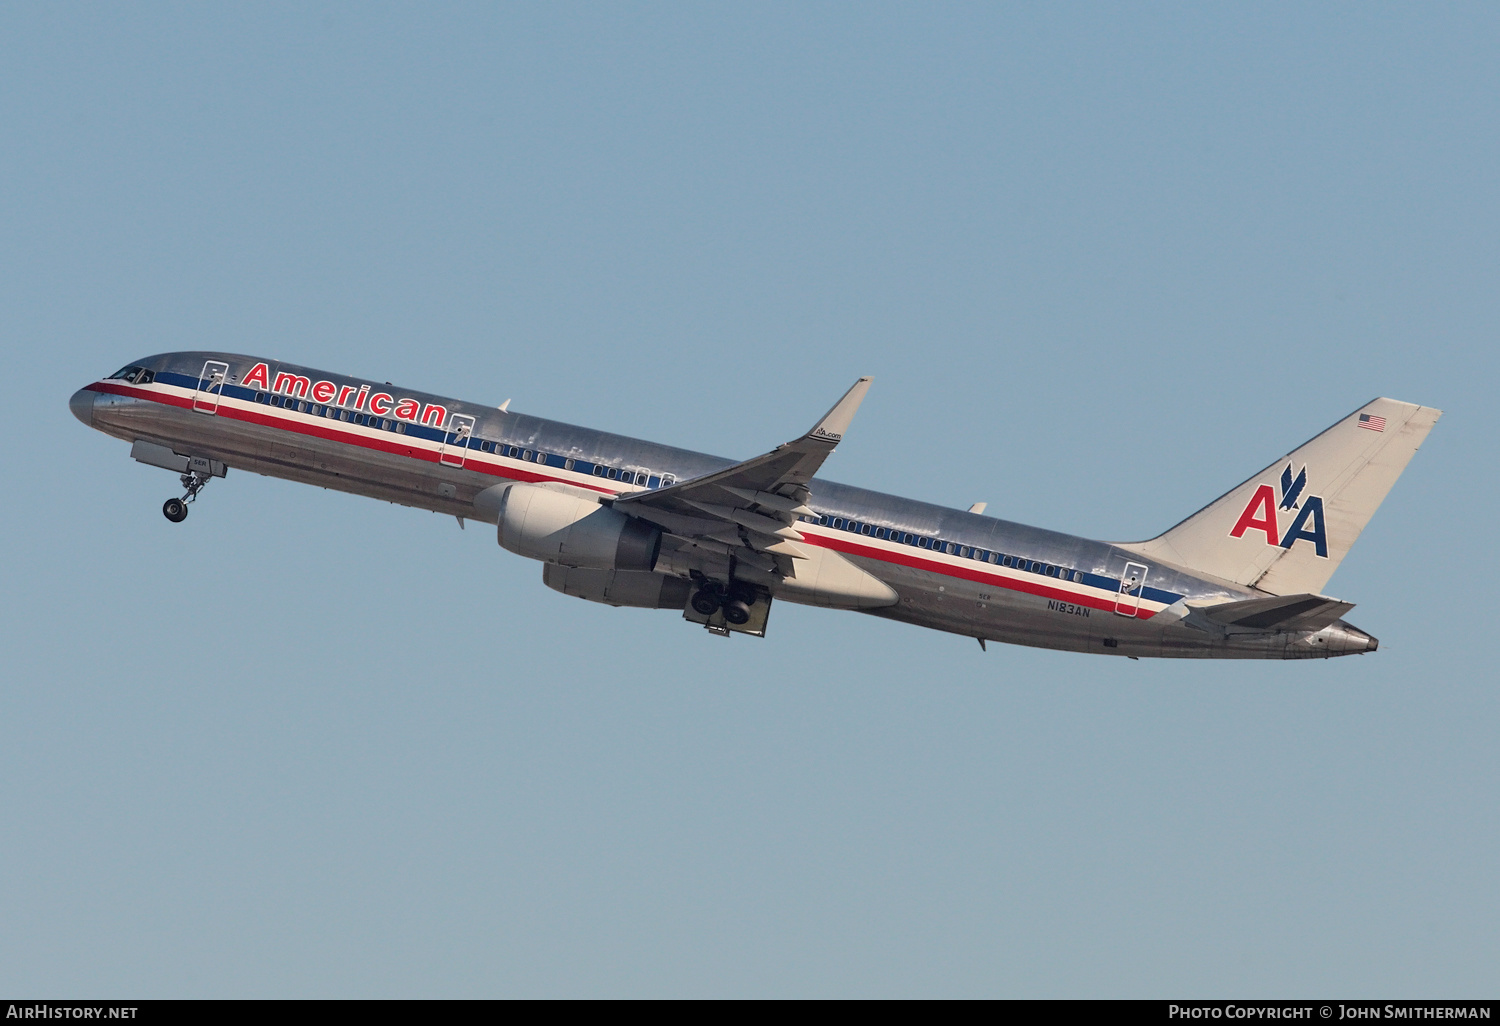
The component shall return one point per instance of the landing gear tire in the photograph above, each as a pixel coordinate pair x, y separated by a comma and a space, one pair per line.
736, 612
174, 510
705, 602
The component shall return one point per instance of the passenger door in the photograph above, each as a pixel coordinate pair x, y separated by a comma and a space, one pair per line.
1132, 583
210, 386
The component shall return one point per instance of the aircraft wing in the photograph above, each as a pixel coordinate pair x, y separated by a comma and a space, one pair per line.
749, 510
1280, 612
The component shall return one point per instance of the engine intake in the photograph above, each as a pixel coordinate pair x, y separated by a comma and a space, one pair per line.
559, 527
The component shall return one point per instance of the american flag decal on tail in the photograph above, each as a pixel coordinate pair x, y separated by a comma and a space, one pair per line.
1371, 422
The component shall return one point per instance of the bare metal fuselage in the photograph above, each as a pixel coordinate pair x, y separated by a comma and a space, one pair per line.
966, 573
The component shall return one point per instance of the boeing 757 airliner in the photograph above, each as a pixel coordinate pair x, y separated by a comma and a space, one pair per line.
633, 523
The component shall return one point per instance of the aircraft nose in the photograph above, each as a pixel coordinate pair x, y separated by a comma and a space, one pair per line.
82, 405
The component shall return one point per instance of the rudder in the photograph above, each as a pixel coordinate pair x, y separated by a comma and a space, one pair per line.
1285, 530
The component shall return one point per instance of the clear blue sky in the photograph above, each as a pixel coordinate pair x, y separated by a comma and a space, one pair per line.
1103, 261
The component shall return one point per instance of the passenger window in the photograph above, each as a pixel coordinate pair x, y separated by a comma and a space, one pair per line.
668, 479
567, 464
527, 455
864, 529
614, 474
598, 470
400, 428
626, 477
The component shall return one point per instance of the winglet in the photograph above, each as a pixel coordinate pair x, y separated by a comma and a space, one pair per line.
836, 421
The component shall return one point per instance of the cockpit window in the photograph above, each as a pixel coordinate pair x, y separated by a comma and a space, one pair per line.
133, 374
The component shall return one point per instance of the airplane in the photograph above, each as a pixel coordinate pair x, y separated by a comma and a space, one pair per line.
627, 522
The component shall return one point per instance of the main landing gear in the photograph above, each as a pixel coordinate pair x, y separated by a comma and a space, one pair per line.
709, 599
176, 510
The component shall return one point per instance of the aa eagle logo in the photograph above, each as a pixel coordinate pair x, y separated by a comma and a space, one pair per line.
1262, 513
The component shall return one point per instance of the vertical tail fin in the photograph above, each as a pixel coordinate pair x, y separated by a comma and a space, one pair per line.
1286, 529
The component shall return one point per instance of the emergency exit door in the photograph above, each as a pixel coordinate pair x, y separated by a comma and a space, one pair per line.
456, 440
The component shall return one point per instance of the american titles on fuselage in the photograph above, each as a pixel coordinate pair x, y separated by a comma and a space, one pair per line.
381, 404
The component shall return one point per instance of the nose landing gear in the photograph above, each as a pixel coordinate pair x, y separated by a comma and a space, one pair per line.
176, 510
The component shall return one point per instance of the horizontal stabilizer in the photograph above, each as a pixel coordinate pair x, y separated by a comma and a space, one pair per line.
1280, 612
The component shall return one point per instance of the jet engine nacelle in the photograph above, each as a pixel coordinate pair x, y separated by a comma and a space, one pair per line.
574, 530
619, 587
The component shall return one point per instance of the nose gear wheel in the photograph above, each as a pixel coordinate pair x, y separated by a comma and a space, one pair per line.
176, 510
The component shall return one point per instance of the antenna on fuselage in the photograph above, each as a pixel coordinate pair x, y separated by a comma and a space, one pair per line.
504, 406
